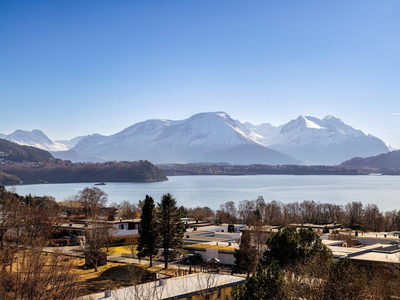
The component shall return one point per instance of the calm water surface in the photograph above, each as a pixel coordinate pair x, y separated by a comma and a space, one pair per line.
191, 191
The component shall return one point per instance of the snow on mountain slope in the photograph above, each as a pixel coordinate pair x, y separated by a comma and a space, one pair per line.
326, 141
261, 132
168, 141
35, 138
72, 142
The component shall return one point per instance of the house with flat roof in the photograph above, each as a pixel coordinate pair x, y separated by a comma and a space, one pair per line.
223, 251
375, 253
189, 287
121, 228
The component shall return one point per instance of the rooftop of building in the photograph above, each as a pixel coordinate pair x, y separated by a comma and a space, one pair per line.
173, 288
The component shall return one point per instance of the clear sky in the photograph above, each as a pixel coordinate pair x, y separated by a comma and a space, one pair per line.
73, 68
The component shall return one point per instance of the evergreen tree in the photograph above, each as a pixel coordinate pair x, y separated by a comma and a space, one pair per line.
288, 246
345, 281
245, 256
148, 234
170, 226
268, 283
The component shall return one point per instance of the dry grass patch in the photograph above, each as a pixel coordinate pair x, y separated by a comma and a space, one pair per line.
111, 276
118, 250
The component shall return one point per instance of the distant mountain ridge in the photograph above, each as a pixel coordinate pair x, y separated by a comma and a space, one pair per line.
216, 137
34, 138
70, 143
192, 139
389, 160
323, 141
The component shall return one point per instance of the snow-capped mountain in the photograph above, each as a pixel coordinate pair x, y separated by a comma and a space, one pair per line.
324, 141
215, 137
35, 138
163, 141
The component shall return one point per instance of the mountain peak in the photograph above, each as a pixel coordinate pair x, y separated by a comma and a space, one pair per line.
35, 138
216, 114
301, 123
330, 117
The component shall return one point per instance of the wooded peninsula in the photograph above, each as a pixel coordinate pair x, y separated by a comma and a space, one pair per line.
66, 172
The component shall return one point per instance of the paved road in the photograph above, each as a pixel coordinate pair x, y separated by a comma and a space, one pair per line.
74, 251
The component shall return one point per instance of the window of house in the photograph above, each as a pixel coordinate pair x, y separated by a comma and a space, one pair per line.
121, 226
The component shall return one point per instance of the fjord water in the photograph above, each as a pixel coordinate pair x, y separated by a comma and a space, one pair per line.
212, 191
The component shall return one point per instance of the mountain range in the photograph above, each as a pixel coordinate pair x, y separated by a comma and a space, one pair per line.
216, 137
315, 141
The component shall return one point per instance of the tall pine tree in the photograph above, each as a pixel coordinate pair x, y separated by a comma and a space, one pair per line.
148, 234
170, 226
245, 256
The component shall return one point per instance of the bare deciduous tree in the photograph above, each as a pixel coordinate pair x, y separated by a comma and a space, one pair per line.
93, 200
36, 276
129, 210
96, 238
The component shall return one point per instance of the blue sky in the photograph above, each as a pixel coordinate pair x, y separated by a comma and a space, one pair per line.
72, 68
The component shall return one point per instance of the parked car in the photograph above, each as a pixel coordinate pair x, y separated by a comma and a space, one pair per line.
194, 259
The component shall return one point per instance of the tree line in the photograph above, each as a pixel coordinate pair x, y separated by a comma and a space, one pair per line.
354, 215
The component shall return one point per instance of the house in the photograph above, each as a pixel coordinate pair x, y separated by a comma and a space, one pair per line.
212, 241
121, 228
126, 227
376, 253
189, 287
223, 251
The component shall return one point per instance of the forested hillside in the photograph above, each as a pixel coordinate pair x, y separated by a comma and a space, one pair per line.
17, 153
67, 172
389, 160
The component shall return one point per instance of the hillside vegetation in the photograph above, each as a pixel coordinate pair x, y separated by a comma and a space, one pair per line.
389, 160
67, 172
25, 164
17, 153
